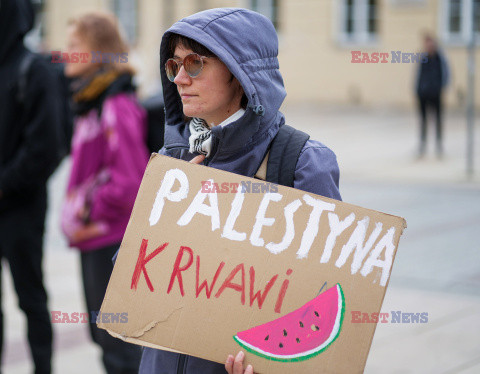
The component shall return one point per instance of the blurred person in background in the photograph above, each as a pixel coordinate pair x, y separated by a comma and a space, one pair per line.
30, 118
433, 77
109, 155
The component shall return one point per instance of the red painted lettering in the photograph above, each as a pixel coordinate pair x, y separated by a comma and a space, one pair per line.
234, 286
142, 261
260, 298
281, 294
204, 284
177, 269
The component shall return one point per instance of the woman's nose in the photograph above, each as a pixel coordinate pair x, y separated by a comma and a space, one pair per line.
182, 77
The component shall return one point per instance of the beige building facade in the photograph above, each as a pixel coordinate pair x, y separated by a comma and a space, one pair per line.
317, 38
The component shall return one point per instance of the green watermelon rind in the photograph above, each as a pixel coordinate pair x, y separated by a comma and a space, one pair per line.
299, 357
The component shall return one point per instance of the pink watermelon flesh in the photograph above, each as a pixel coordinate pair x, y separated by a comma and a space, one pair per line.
301, 334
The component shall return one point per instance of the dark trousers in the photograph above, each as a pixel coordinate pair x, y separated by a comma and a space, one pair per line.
118, 357
435, 105
21, 245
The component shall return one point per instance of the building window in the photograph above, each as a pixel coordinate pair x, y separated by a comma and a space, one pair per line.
269, 8
359, 21
127, 14
455, 16
460, 17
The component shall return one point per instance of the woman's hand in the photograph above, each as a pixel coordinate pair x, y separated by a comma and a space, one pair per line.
197, 159
88, 231
235, 365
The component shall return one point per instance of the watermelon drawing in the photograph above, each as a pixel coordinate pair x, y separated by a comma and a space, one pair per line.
301, 334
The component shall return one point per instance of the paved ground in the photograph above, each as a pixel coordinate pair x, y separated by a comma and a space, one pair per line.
437, 269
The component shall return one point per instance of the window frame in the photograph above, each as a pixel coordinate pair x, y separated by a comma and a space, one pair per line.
360, 35
462, 37
132, 37
269, 8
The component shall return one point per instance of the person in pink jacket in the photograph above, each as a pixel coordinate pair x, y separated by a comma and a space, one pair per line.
109, 155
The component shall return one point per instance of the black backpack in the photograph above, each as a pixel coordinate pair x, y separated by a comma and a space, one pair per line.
280, 162
155, 122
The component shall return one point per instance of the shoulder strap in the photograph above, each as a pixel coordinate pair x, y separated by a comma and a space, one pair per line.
23, 70
280, 162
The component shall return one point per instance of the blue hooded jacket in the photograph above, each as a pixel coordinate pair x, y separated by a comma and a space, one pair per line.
247, 43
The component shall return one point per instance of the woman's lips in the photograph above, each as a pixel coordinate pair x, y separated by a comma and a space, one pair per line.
187, 96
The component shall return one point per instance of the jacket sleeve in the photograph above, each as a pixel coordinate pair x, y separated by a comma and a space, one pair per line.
317, 171
125, 159
38, 154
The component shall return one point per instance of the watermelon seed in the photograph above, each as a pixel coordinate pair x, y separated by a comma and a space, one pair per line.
266, 338
316, 313
280, 345
298, 340
301, 324
284, 332
315, 328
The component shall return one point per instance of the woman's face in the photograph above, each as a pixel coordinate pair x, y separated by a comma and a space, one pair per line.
211, 95
80, 55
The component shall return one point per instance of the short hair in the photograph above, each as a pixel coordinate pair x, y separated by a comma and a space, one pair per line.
177, 39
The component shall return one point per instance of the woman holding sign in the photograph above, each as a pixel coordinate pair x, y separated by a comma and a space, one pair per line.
223, 91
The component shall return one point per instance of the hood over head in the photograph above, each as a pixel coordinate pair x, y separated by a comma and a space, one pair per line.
16, 19
247, 43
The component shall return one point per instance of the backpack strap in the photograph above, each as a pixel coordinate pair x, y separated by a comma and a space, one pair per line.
262, 170
280, 163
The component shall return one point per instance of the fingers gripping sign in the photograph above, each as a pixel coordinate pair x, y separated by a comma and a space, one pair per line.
235, 365
197, 159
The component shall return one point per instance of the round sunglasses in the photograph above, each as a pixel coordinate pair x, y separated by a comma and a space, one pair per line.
193, 64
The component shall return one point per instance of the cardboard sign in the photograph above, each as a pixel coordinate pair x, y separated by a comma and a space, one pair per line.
214, 262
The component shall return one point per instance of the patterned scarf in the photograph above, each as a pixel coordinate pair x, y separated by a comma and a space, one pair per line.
91, 88
200, 139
